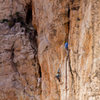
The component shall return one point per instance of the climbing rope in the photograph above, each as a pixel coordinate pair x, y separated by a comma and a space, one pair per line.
58, 75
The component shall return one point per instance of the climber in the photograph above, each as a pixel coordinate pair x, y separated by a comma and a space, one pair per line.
58, 75
66, 45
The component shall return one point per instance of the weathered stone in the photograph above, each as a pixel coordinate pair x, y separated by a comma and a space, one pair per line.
10, 7
56, 22
19, 68
76, 21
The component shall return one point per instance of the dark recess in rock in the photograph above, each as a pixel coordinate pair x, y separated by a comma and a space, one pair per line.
29, 13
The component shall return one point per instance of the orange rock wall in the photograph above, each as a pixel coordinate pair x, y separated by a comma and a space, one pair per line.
56, 22
78, 23
51, 18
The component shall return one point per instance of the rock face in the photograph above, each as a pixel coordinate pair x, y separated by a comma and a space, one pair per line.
56, 73
84, 80
10, 7
20, 74
19, 67
75, 21
51, 19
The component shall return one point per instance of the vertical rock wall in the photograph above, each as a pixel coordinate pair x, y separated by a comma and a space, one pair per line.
76, 21
56, 22
10, 7
84, 51
19, 67
51, 20
20, 74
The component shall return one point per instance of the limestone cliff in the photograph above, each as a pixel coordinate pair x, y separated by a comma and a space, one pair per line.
32, 57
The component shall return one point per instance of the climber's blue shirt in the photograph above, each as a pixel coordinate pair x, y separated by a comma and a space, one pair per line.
66, 45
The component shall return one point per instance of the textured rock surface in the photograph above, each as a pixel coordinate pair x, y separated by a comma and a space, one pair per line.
51, 20
19, 68
56, 21
10, 7
84, 51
